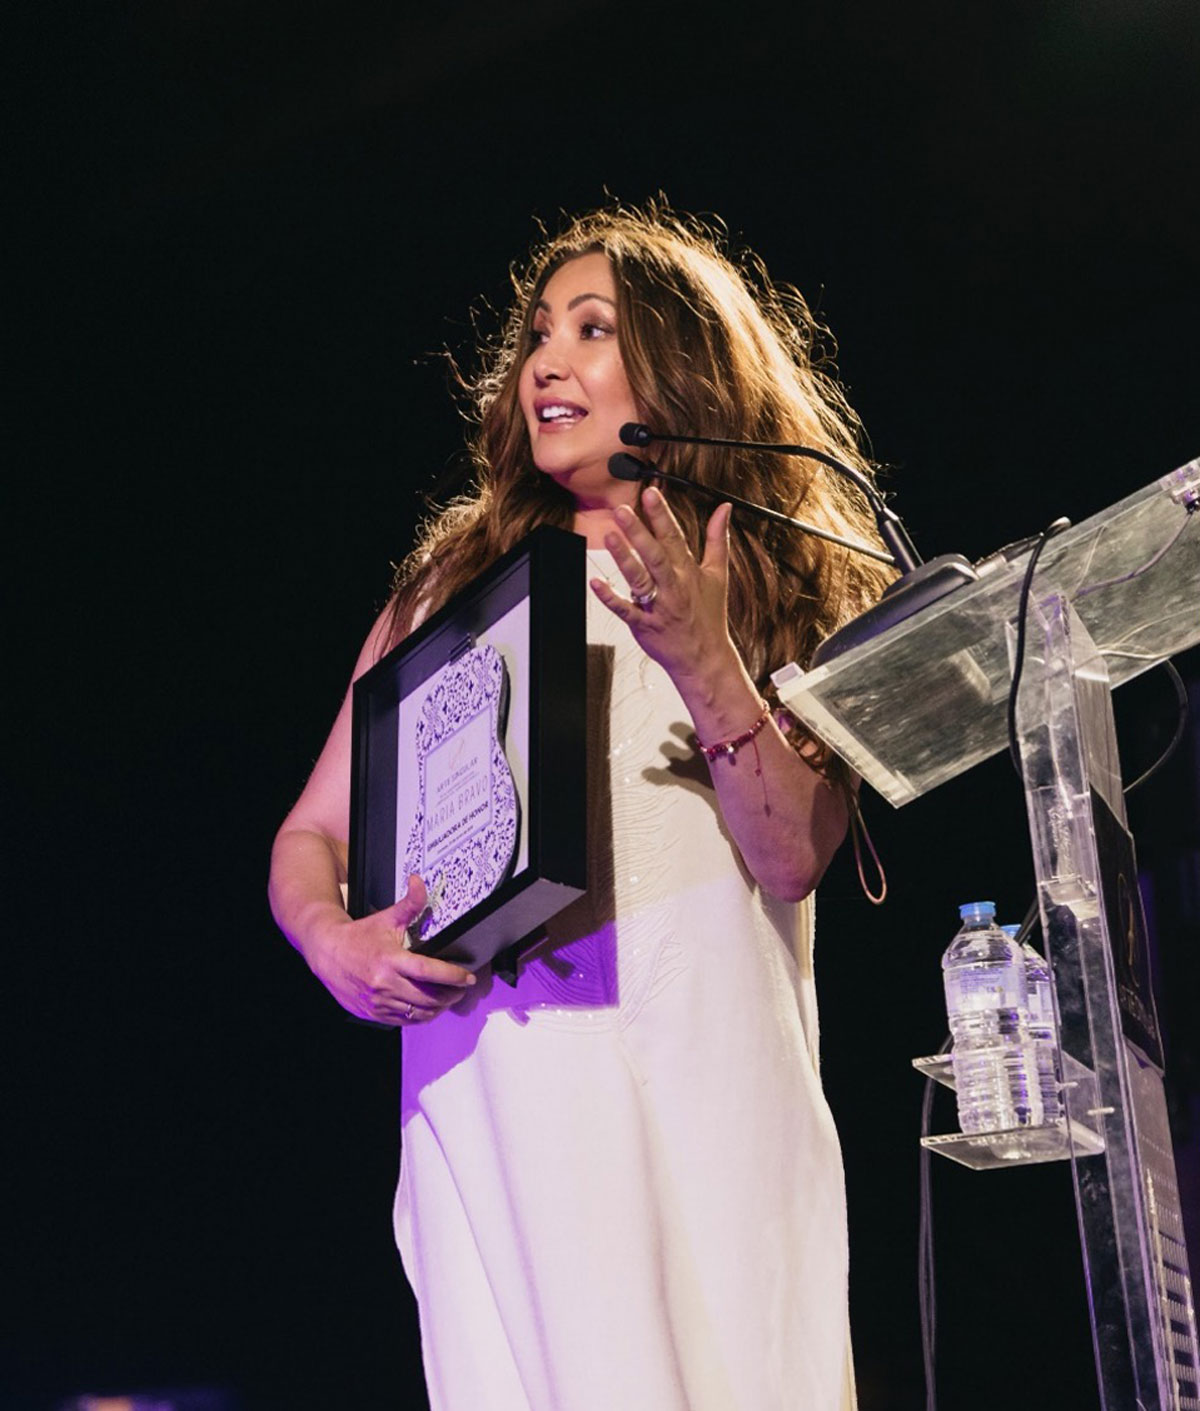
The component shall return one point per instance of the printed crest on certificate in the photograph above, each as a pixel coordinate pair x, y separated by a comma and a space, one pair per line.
464, 836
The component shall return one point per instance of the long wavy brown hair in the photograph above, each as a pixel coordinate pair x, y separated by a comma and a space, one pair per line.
711, 347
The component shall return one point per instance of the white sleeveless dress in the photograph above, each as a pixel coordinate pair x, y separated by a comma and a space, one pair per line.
621, 1188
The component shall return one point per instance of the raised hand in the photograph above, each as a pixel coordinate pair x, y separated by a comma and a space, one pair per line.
677, 607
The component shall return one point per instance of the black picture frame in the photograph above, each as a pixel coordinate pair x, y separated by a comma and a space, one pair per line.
543, 575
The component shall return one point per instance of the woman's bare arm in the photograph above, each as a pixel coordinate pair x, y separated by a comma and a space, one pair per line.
787, 820
364, 964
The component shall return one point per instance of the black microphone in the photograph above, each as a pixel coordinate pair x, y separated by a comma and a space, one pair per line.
920, 584
623, 466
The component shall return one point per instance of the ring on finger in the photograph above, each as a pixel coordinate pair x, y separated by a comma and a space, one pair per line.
643, 600
409, 1012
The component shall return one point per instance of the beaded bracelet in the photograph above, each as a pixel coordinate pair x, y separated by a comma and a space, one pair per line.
731, 747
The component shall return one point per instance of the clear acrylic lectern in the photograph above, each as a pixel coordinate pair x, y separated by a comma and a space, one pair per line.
927, 700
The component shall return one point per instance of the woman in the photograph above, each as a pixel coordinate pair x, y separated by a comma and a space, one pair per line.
621, 1186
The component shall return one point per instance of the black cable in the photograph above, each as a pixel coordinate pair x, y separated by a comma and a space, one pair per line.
1145, 568
1022, 612
926, 1290
926, 1287
1180, 726
1181, 697
1028, 922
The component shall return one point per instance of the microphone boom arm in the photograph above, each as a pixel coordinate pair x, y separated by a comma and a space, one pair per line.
647, 470
891, 528
919, 586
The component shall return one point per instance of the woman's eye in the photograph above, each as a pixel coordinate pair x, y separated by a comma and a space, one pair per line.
594, 330
537, 336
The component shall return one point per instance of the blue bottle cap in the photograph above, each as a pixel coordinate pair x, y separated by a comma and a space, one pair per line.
978, 911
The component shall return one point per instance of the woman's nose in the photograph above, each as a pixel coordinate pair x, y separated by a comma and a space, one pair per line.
548, 363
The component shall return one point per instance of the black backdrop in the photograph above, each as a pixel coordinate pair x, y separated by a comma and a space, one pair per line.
245, 231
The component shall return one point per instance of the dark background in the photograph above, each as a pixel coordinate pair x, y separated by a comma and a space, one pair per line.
242, 233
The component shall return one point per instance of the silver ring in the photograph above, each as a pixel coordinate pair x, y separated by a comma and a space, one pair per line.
643, 600
409, 1012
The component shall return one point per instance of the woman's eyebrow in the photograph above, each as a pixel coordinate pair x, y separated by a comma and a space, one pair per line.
578, 299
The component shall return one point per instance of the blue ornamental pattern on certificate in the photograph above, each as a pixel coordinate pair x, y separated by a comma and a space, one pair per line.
464, 837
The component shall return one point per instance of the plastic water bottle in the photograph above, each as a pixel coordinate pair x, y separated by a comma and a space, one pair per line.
1042, 1027
987, 1004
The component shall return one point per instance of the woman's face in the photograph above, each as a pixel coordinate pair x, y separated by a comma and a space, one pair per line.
574, 393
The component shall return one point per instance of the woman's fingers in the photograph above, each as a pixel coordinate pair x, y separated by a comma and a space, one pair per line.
613, 601
427, 970
654, 555
649, 552
716, 539
654, 559
657, 540
636, 571
667, 531
676, 606
409, 907
425, 986
402, 1000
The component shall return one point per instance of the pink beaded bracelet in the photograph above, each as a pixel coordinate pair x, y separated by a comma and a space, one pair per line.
730, 747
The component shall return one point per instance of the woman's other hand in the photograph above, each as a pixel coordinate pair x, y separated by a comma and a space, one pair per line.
367, 967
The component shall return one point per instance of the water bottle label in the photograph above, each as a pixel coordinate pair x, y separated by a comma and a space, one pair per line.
966, 992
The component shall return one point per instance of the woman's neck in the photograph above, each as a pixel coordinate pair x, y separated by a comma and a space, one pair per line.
594, 524
594, 517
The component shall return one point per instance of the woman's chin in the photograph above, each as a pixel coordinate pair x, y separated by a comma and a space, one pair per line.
582, 481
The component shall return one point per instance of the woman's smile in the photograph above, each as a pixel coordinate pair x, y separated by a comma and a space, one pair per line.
555, 413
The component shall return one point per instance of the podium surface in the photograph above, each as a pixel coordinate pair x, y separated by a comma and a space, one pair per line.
927, 700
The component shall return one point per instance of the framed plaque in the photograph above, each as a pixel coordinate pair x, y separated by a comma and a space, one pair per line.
468, 764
